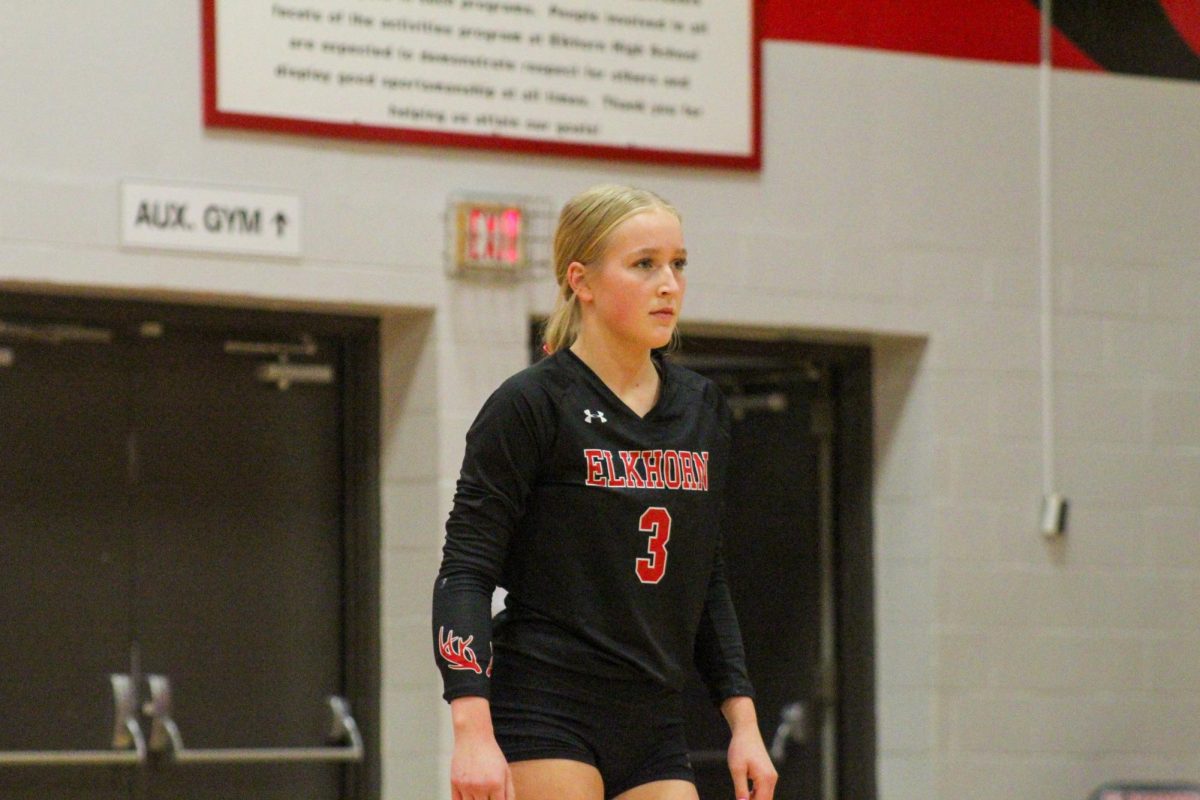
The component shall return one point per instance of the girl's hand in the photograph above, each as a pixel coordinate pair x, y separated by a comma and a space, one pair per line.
749, 762
478, 770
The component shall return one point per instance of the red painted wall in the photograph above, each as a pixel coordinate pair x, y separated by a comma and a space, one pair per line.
992, 30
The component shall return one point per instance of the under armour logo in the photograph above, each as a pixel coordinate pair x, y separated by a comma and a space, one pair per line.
590, 415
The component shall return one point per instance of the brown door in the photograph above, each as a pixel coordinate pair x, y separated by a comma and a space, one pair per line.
237, 507
65, 556
168, 509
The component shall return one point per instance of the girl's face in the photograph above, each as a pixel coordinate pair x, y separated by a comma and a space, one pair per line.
635, 290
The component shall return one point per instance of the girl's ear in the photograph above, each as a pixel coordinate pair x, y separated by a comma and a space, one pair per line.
577, 279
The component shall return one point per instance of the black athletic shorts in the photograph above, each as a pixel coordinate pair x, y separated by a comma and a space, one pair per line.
631, 731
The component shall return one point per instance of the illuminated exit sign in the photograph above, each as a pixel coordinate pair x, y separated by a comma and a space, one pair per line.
495, 235
491, 236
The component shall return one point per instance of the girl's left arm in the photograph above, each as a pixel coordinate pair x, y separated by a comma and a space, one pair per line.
749, 763
721, 661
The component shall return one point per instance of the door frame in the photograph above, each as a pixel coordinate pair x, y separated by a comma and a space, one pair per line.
358, 339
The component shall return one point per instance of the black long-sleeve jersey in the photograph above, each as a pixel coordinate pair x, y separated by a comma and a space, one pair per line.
603, 526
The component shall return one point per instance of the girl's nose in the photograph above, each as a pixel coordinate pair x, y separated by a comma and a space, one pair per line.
669, 284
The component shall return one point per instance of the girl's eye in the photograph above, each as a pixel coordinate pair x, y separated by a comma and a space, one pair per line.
645, 263
679, 263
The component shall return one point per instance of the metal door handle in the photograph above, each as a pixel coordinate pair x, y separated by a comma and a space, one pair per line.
165, 736
792, 728
126, 734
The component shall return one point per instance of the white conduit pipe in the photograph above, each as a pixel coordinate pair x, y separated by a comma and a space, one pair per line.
1053, 520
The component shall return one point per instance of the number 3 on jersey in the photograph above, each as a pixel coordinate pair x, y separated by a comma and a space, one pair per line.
656, 522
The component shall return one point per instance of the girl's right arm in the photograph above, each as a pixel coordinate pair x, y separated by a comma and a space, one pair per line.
505, 449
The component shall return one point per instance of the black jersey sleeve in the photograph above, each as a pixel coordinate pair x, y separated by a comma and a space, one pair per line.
719, 655
505, 446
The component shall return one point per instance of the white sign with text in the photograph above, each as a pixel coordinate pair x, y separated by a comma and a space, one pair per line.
179, 217
661, 75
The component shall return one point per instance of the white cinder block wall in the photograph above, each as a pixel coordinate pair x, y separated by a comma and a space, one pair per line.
898, 204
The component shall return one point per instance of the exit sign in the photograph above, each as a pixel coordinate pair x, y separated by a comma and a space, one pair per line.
495, 235
490, 236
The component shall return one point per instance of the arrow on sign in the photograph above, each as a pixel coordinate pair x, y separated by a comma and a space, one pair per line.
280, 223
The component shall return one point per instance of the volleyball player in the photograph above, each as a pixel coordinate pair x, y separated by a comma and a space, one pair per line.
591, 489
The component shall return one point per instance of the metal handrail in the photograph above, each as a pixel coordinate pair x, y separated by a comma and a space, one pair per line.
54, 333
126, 734
166, 739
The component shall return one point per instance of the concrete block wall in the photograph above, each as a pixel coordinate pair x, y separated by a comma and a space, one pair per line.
410, 471
437, 372
1064, 664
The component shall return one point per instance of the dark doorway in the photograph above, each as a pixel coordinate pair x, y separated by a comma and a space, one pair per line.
188, 494
797, 542
772, 534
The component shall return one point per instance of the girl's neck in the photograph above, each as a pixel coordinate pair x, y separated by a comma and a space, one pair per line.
622, 369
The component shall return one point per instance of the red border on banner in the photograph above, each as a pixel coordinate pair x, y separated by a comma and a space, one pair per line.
213, 117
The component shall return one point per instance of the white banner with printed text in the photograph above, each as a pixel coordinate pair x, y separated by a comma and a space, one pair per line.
651, 77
